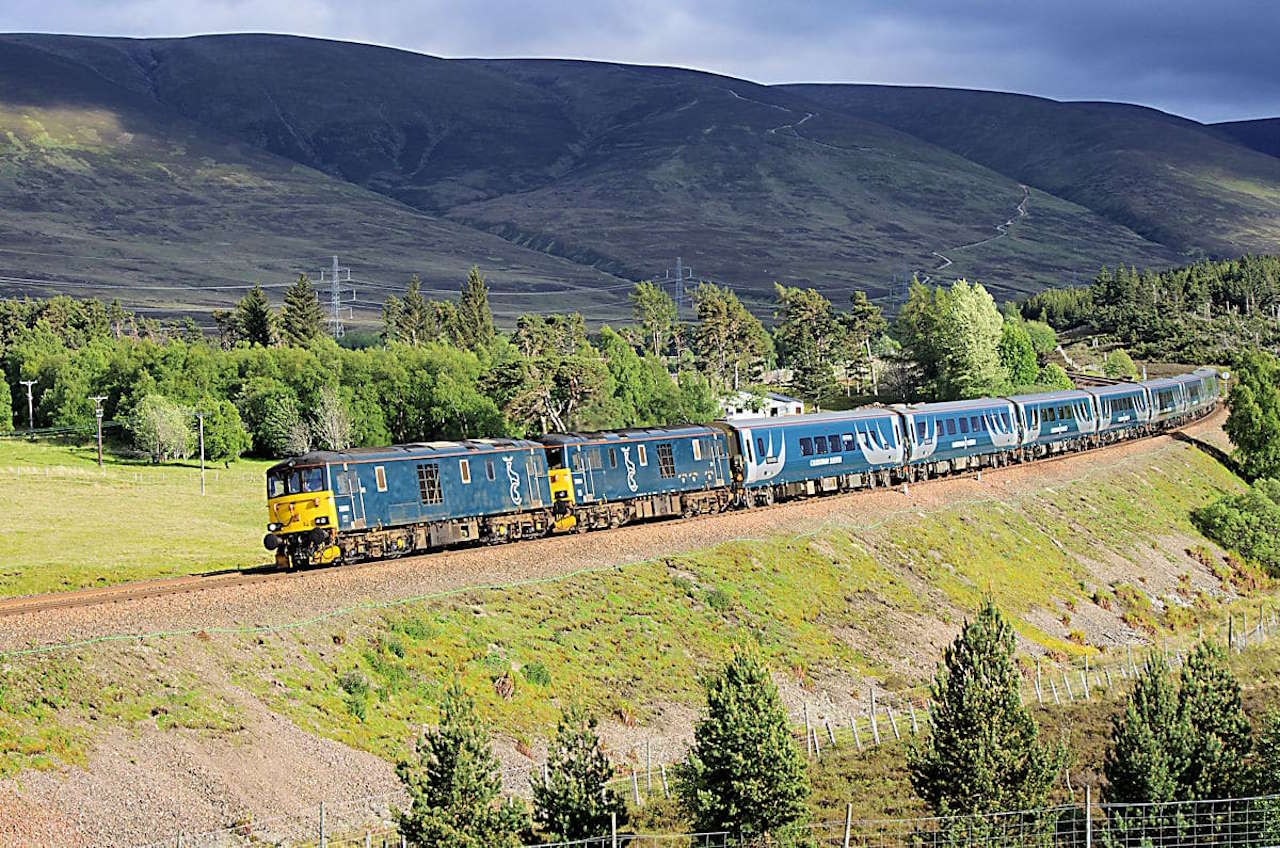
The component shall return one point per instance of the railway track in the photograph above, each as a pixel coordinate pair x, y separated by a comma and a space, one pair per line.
195, 583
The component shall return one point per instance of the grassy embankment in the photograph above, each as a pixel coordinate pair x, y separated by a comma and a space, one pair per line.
828, 609
66, 524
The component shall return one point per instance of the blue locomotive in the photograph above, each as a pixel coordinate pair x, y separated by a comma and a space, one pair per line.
383, 502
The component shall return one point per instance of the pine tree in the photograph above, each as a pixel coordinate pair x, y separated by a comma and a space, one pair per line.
1219, 742
455, 786
982, 753
474, 320
413, 317
574, 800
392, 317
743, 773
1148, 751
255, 320
301, 318
806, 335
1266, 765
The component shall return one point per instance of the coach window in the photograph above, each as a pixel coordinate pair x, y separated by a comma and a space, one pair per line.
833, 442
964, 425
820, 444
760, 451
806, 447
380, 477
464, 470
922, 430
613, 458
975, 424
642, 454
951, 426
850, 444
1050, 414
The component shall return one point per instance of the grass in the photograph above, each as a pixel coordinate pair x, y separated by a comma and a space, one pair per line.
68, 524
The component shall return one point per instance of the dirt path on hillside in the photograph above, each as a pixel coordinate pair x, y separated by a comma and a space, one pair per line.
318, 593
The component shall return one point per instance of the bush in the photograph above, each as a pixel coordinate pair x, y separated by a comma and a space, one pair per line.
1248, 523
1119, 365
1053, 378
537, 674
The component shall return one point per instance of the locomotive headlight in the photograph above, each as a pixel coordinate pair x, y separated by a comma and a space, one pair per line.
274, 526
322, 520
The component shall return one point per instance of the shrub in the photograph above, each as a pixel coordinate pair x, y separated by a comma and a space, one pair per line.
1248, 523
537, 674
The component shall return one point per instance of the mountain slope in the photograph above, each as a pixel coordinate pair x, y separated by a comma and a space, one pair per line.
563, 180
1262, 135
1169, 179
103, 191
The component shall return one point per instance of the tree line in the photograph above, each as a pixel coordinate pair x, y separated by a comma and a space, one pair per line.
1202, 312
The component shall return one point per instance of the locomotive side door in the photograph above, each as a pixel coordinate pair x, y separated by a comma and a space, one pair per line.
349, 498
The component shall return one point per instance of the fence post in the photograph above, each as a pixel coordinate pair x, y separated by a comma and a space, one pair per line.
893, 723
848, 824
662, 769
1054, 688
875, 728
915, 726
323, 842
179, 840
648, 768
817, 748
613, 829
1088, 816
1066, 681
635, 786
831, 734
808, 741
368, 839
857, 737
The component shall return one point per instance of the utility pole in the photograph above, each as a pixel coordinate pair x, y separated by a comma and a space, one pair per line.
31, 414
97, 413
200, 418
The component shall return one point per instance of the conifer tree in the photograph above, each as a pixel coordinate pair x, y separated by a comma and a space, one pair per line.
743, 773
1266, 765
413, 317
392, 316
474, 320
1148, 752
1219, 738
982, 753
255, 319
301, 318
574, 800
455, 786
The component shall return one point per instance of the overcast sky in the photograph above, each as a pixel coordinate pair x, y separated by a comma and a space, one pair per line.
1216, 60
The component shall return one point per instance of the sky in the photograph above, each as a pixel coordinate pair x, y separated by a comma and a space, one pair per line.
1210, 61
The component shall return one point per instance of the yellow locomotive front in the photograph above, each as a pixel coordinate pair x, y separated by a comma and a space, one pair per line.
302, 519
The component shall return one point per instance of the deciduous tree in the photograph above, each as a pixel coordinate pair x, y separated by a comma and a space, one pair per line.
225, 437
1253, 424
161, 428
655, 312
1017, 355
330, 421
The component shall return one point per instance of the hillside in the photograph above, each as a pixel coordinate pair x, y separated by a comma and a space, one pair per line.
255, 702
1172, 180
565, 180
1262, 134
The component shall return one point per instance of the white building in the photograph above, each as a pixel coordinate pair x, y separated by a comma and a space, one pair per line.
770, 405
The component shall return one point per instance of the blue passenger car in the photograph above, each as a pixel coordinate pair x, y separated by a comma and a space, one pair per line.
1121, 407
620, 465
1200, 389
823, 446
940, 432
1168, 398
1053, 418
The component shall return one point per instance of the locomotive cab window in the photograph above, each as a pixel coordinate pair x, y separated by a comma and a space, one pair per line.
697, 450
380, 478
613, 458
642, 453
464, 470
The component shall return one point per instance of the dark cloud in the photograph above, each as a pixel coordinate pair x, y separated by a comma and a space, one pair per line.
1210, 61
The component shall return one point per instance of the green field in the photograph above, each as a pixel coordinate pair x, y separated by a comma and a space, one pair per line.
67, 524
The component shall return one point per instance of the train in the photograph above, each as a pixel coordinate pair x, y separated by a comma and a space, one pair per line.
376, 503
